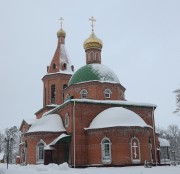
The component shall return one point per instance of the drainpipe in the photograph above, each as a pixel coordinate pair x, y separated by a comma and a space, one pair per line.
74, 133
154, 134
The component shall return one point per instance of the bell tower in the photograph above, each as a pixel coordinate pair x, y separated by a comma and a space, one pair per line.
58, 73
93, 46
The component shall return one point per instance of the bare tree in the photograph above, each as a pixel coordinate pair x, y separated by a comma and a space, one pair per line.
1, 142
177, 92
172, 134
13, 146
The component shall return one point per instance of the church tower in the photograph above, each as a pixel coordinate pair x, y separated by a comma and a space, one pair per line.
58, 73
93, 46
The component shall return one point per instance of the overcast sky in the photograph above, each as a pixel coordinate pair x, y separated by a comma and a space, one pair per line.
141, 44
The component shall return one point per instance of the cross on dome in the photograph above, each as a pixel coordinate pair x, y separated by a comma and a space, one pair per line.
61, 32
92, 22
61, 21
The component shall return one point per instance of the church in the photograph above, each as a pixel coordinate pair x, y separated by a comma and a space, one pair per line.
86, 119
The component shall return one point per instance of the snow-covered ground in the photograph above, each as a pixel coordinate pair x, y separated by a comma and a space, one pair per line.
64, 169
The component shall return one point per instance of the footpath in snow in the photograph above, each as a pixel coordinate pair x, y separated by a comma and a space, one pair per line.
64, 169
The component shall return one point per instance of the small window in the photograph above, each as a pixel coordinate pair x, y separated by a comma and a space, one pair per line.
64, 67
107, 93
106, 150
67, 120
40, 151
83, 93
54, 66
65, 86
67, 96
53, 93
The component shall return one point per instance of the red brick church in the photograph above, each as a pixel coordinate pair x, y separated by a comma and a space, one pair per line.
85, 119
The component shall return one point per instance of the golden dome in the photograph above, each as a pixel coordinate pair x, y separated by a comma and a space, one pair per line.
93, 42
61, 32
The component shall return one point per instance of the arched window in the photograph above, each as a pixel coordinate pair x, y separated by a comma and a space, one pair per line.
106, 150
40, 151
92, 55
107, 93
53, 93
135, 151
67, 120
64, 67
97, 56
89, 57
83, 93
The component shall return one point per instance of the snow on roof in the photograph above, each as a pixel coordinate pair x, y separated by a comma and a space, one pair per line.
117, 117
94, 72
115, 102
48, 123
30, 121
120, 102
48, 147
163, 142
64, 58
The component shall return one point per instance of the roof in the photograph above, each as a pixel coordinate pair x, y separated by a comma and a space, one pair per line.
118, 102
48, 123
163, 142
94, 72
30, 121
117, 117
63, 135
111, 102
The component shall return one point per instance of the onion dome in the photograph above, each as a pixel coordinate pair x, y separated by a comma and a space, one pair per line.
94, 72
61, 33
93, 42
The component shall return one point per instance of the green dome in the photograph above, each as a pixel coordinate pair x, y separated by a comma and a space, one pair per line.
93, 72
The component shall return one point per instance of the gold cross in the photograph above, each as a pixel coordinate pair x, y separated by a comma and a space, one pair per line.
61, 21
92, 20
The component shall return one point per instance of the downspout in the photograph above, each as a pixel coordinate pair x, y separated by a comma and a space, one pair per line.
154, 134
74, 133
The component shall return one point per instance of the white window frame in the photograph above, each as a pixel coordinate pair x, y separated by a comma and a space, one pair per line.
38, 147
107, 93
138, 160
106, 144
67, 120
83, 93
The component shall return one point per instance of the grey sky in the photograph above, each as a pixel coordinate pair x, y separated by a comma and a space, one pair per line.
141, 44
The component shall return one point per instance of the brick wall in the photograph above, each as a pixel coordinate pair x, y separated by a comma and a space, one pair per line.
33, 139
96, 90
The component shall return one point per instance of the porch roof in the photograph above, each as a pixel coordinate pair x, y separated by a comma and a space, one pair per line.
63, 137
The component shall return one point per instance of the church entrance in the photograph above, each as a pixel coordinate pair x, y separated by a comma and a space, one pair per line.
60, 152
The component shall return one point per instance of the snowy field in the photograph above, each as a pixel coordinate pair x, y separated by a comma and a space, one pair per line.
64, 169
